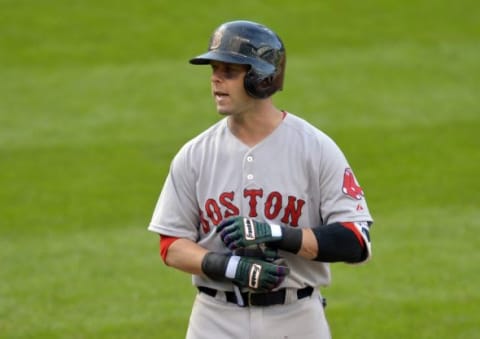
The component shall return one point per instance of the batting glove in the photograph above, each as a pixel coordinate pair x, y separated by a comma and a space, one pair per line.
255, 274
240, 232
260, 251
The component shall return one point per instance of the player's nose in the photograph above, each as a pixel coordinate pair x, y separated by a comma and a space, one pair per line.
217, 75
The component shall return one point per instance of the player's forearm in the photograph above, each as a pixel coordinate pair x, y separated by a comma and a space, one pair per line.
338, 241
186, 256
348, 242
301, 242
309, 247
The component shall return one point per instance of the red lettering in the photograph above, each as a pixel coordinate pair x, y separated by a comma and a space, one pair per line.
293, 211
226, 199
253, 194
216, 210
213, 211
204, 223
273, 205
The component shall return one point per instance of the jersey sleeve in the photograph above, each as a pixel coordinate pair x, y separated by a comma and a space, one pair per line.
176, 211
342, 198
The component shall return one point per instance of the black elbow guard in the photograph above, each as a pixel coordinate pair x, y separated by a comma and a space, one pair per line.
337, 243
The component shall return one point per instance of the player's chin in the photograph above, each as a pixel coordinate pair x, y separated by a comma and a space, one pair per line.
222, 110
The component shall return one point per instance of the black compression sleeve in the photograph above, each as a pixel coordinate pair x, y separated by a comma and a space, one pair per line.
337, 243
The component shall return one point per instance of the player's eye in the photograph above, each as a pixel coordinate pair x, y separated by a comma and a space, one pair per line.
232, 73
227, 71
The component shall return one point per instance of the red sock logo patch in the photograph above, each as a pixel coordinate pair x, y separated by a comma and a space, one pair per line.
351, 186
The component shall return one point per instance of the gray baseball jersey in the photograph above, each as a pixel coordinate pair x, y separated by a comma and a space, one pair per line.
297, 176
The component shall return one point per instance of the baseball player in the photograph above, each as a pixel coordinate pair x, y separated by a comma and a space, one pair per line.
259, 204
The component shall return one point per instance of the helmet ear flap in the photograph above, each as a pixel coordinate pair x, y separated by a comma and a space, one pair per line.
258, 86
262, 86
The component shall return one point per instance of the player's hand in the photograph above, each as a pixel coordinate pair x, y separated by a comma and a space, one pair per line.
259, 275
241, 232
255, 274
260, 251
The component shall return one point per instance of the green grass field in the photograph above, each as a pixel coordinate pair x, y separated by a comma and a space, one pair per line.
97, 96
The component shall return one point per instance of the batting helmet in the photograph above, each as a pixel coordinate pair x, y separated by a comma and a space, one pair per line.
249, 43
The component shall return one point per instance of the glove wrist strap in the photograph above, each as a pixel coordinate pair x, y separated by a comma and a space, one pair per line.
232, 266
276, 230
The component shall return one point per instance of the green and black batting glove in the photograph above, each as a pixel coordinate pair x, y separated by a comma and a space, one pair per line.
259, 251
255, 274
241, 232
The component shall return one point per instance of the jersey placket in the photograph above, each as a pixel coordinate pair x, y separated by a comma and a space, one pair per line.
249, 178
248, 169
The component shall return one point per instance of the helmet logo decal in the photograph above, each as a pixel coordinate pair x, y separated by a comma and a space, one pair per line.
216, 40
351, 186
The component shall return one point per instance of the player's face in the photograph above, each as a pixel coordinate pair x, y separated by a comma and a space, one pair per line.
228, 90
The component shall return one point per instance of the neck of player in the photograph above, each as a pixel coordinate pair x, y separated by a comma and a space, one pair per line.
253, 126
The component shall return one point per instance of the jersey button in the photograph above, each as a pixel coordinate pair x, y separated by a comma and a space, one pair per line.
250, 176
249, 158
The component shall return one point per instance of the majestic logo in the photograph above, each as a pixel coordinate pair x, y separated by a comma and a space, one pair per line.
254, 276
351, 186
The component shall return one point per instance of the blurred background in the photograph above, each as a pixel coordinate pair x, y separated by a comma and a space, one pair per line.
97, 96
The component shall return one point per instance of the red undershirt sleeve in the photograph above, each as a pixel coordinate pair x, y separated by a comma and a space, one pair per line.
165, 242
